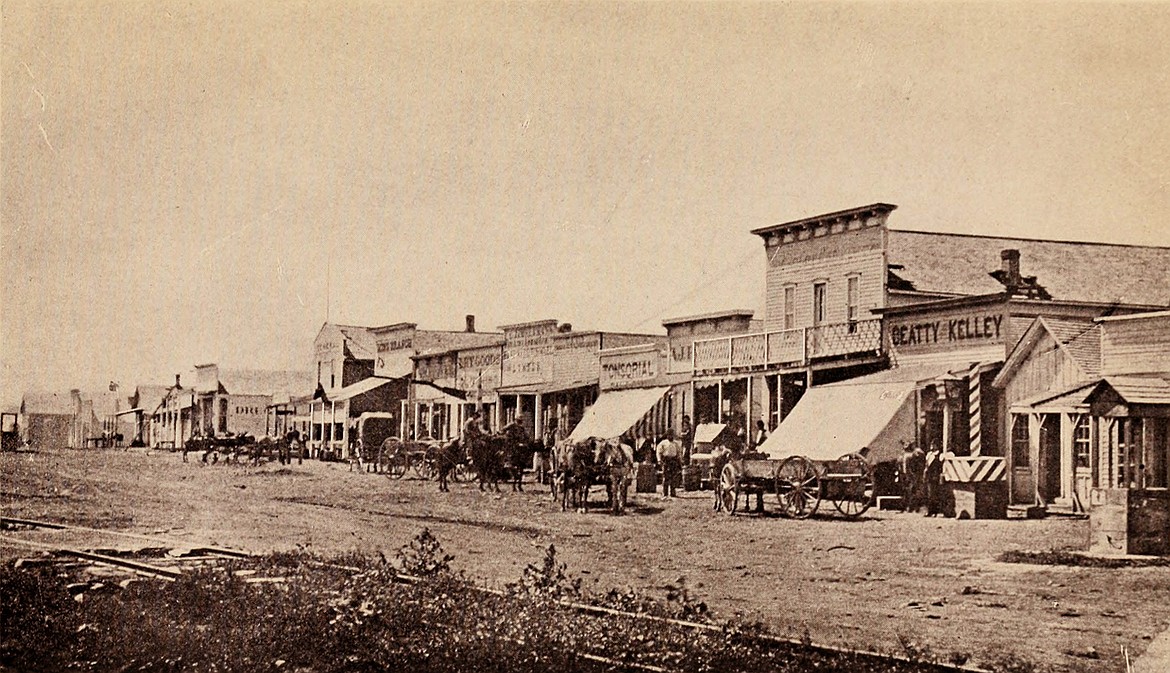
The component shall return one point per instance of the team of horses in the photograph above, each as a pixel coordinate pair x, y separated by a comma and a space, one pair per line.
232, 448
575, 467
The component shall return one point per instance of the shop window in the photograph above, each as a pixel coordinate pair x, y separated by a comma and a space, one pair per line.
820, 294
316, 432
223, 413
338, 429
1082, 442
789, 307
1020, 441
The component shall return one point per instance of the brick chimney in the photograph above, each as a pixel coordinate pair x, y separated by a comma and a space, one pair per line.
1011, 268
177, 381
470, 323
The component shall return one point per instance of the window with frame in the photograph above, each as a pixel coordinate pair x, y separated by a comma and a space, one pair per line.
852, 301
1082, 442
789, 306
1020, 441
820, 294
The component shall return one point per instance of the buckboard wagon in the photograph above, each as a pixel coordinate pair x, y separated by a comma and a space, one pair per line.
800, 484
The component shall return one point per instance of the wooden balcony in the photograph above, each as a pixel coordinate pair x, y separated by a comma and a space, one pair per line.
789, 348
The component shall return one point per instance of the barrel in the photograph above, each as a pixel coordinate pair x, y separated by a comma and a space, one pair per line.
692, 476
645, 478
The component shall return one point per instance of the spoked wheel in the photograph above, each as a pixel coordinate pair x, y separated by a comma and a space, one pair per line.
464, 471
729, 488
424, 464
798, 487
393, 458
851, 488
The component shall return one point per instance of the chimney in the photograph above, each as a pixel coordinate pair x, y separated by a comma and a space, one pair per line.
565, 328
177, 381
470, 323
1011, 268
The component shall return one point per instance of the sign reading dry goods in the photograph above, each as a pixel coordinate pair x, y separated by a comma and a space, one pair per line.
479, 370
947, 331
629, 369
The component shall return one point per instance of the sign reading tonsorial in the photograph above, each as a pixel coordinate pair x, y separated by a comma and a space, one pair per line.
629, 368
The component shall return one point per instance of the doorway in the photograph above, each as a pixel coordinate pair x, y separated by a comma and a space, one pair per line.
1048, 471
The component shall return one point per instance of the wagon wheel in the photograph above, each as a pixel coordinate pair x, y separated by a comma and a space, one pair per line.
852, 490
798, 487
423, 463
729, 488
393, 458
464, 471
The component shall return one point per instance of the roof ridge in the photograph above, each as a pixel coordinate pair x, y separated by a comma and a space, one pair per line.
1022, 238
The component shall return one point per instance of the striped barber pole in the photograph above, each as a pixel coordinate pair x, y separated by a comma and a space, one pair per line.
974, 469
974, 406
974, 415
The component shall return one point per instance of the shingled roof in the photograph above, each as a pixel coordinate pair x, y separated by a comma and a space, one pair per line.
265, 382
48, 404
961, 264
360, 341
1081, 340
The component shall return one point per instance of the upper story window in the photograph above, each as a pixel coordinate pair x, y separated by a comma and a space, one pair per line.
789, 306
820, 295
853, 298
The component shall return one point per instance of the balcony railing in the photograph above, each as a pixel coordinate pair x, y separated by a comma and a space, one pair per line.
788, 348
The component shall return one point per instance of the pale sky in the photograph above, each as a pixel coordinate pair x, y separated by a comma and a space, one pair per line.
186, 182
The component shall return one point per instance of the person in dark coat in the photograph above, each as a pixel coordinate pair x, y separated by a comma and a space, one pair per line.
932, 480
911, 468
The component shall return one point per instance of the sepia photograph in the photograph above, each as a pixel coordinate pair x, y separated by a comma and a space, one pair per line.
646, 336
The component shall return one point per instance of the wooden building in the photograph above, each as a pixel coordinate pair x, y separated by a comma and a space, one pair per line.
550, 371
46, 419
1089, 417
830, 276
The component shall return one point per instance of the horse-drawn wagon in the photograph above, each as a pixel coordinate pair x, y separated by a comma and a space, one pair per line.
800, 483
827, 448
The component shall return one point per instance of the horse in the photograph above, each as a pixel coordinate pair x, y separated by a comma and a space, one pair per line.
445, 458
485, 456
574, 474
617, 463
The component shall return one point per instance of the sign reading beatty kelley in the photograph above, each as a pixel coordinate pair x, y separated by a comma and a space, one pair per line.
628, 369
945, 331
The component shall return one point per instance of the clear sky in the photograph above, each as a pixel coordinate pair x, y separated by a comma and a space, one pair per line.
187, 182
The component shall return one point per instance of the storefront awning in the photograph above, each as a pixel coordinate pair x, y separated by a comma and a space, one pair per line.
615, 412
708, 432
544, 387
135, 410
355, 389
834, 420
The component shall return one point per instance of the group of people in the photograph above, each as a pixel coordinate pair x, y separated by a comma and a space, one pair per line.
920, 476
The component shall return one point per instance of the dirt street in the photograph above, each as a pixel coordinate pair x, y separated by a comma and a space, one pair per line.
877, 582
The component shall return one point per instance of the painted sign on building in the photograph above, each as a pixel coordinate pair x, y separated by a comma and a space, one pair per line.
527, 349
950, 330
438, 369
630, 369
479, 369
395, 348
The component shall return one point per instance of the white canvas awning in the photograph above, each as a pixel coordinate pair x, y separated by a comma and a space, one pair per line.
616, 411
708, 432
831, 421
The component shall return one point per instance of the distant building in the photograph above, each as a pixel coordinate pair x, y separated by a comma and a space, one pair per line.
223, 401
47, 419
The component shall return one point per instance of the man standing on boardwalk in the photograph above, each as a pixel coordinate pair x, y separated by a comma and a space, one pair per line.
670, 458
